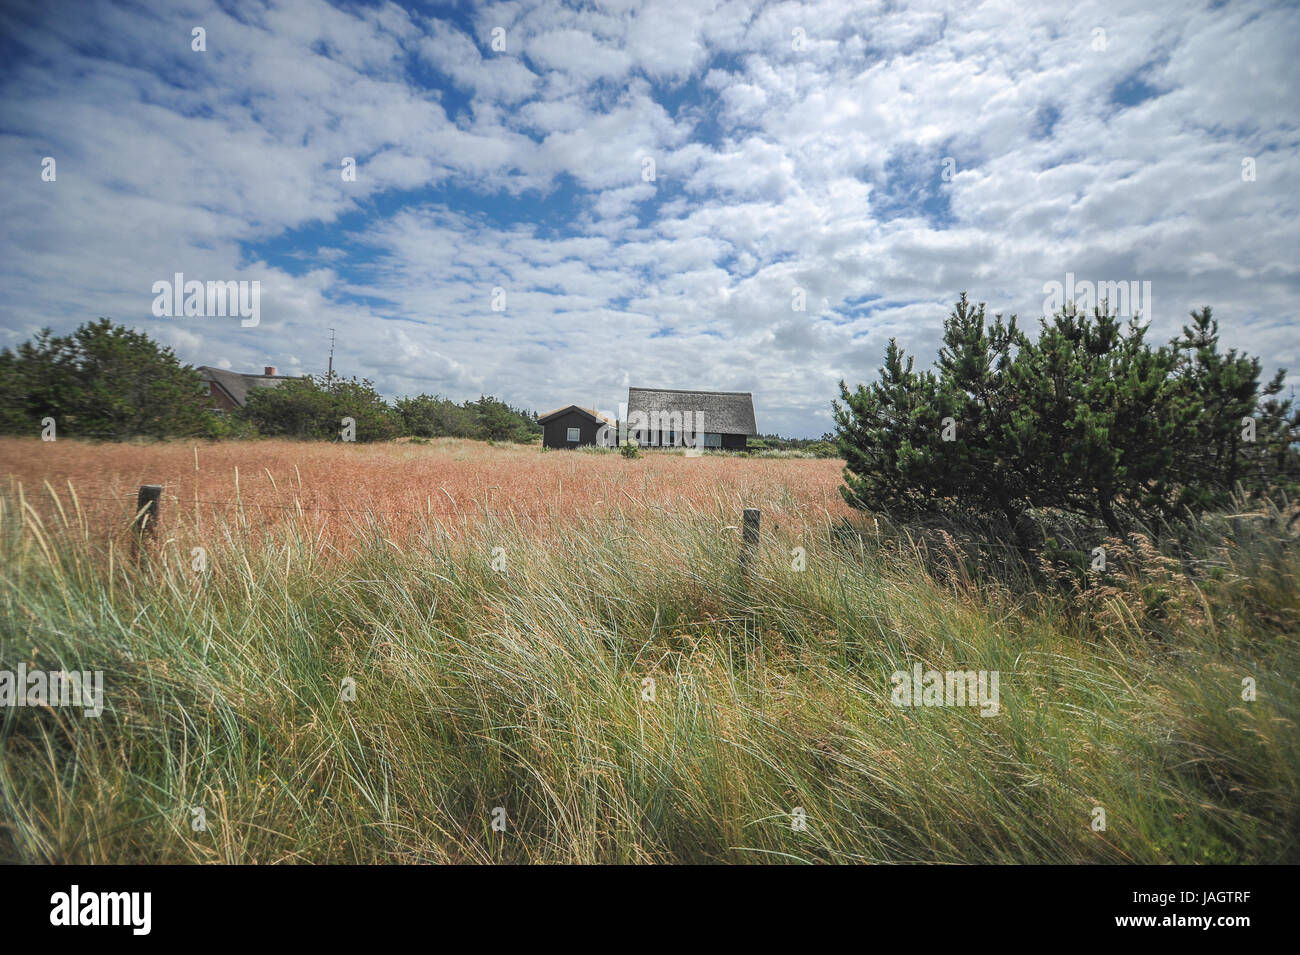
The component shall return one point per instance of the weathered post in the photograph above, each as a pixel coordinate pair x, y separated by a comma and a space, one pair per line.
148, 506
749, 538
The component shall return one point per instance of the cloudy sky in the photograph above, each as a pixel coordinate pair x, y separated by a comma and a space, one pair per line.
648, 189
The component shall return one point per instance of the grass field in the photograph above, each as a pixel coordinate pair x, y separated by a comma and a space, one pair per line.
389, 647
325, 488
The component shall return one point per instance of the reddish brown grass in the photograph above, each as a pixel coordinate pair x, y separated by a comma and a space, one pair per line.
449, 479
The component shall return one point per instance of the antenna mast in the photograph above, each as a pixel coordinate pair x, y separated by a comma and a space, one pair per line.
329, 375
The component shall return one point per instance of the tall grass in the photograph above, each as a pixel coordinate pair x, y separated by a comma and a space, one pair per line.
525, 688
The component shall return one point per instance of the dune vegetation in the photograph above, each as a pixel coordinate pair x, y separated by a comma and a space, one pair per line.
592, 678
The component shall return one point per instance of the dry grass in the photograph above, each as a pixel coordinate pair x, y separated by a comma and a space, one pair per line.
450, 480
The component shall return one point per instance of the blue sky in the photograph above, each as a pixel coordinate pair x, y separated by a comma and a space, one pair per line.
878, 158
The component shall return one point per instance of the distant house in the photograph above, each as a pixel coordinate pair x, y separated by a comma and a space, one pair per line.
573, 426
229, 389
662, 417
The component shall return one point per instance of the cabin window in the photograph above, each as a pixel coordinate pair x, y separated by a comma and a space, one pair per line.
712, 440
575, 434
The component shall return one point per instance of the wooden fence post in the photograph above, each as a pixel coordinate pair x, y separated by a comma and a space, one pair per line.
148, 507
749, 538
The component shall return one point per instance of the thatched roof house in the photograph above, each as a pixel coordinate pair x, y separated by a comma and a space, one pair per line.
229, 389
661, 416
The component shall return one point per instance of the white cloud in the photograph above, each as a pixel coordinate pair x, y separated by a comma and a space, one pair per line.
775, 167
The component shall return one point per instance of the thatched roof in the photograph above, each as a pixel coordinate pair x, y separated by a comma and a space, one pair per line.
725, 412
236, 384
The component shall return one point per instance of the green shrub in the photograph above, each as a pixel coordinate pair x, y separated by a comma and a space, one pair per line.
315, 406
1087, 418
104, 381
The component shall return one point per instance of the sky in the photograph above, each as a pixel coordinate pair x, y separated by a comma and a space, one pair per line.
553, 202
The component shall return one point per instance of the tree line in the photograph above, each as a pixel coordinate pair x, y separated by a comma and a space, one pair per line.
1086, 417
111, 382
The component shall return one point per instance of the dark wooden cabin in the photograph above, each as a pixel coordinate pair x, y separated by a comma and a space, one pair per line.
573, 426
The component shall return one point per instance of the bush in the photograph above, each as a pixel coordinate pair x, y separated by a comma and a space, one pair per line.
488, 418
630, 449
103, 381
1087, 418
315, 406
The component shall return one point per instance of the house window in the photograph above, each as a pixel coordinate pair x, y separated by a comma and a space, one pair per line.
575, 434
712, 440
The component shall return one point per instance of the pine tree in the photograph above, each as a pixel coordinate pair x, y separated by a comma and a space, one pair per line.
103, 380
888, 435
1088, 418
